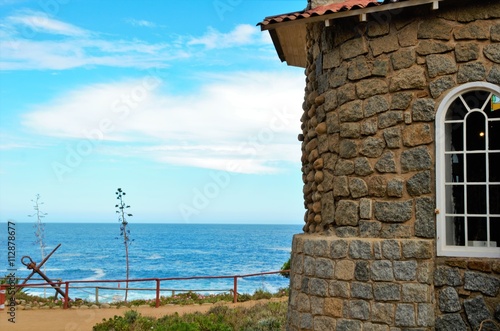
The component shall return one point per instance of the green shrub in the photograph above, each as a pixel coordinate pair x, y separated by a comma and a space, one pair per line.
261, 294
261, 317
286, 266
131, 316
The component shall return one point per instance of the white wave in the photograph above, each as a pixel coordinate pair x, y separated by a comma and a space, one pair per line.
283, 249
98, 274
52, 269
154, 257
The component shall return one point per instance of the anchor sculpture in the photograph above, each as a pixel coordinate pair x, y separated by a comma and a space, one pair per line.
31, 265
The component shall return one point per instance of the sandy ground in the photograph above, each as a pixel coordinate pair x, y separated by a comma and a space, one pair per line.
85, 319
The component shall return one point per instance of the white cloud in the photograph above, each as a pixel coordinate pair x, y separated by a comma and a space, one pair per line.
10, 142
247, 119
24, 54
39, 22
141, 23
33, 41
243, 34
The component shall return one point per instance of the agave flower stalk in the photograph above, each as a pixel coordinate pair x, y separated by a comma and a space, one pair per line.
124, 232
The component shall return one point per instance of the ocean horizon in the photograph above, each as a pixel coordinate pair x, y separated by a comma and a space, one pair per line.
95, 251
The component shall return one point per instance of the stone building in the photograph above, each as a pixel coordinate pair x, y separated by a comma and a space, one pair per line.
400, 162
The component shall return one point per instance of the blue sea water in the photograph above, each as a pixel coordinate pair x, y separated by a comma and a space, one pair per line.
95, 251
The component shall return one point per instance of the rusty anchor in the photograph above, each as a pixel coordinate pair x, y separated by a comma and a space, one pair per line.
31, 265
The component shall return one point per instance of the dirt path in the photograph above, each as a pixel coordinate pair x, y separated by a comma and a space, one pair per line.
85, 319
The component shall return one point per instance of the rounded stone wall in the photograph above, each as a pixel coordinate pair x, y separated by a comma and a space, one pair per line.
367, 258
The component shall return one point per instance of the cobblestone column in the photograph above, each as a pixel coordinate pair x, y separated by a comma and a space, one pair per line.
366, 260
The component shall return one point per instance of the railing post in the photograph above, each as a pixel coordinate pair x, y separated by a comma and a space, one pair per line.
235, 290
157, 293
96, 295
66, 296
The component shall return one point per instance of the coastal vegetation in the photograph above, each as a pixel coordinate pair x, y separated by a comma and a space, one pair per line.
124, 232
263, 316
39, 225
24, 299
270, 316
286, 268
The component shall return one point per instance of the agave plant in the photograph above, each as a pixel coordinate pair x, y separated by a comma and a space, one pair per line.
124, 232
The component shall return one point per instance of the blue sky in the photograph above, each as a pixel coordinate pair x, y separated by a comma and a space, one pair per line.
183, 105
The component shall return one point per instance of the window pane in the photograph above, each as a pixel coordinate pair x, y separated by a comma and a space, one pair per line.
476, 199
494, 109
476, 99
475, 131
476, 231
457, 110
454, 168
476, 167
454, 136
495, 199
494, 135
495, 232
471, 171
494, 162
455, 231
455, 201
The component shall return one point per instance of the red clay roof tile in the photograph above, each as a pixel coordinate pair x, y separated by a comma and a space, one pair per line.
321, 10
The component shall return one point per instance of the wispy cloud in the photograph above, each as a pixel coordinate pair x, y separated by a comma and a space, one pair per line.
79, 48
33, 41
13, 142
141, 23
39, 22
249, 120
243, 34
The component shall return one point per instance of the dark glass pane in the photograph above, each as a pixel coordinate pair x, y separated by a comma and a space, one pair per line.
476, 199
494, 135
455, 231
476, 99
476, 231
455, 199
457, 110
476, 167
454, 168
475, 132
495, 232
454, 136
493, 111
494, 162
494, 199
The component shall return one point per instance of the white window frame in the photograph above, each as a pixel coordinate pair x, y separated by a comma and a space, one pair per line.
442, 248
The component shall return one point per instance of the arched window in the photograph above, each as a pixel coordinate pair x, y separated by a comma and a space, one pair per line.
468, 172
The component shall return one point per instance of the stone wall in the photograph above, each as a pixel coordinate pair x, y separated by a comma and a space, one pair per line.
467, 292
350, 284
367, 258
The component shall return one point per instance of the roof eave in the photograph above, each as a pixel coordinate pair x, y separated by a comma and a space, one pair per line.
290, 44
289, 37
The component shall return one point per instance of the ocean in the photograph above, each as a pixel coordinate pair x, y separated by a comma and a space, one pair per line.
95, 251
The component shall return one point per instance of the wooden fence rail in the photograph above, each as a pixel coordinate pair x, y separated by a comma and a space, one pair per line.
67, 285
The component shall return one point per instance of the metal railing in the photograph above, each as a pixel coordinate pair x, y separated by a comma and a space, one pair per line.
67, 285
